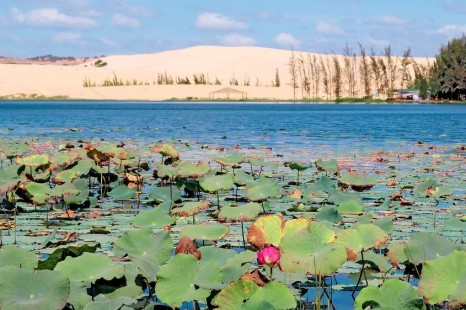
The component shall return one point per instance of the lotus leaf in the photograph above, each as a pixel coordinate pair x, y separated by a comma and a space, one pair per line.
242, 213
394, 294
331, 166
158, 217
190, 208
33, 160
79, 297
230, 160
377, 262
362, 238
262, 163
324, 184
78, 196
217, 182
65, 159
17, 149
329, 213
83, 166
188, 169
312, 250
11, 255
357, 182
262, 189
337, 197
110, 304
242, 178
213, 231
298, 166
22, 289
350, 207
444, 278
164, 171
245, 294
184, 278
166, 150
146, 249
266, 230
66, 176
90, 267
162, 194
40, 192
122, 192
431, 188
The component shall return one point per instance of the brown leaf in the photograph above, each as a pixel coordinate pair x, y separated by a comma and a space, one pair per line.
256, 277
187, 246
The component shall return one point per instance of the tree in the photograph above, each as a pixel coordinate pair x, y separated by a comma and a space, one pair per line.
325, 78
337, 77
350, 70
277, 78
364, 72
293, 70
404, 69
391, 70
449, 71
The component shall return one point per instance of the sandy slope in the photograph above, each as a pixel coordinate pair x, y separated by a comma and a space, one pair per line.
258, 65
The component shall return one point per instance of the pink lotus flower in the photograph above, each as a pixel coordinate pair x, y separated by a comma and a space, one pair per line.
269, 256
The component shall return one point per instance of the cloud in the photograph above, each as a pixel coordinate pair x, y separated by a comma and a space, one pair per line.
388, 20
108, 42
235, 39
134, 10
328, 28
454, 5
123, 21
286, 39
451, 31
211, 20
67, 37
380, 43
51, 17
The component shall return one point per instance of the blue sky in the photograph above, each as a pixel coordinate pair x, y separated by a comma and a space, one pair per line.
105, 27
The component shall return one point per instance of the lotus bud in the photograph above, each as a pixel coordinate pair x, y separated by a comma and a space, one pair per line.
269, 256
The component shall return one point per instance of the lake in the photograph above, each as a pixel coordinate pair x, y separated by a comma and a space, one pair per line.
281, 126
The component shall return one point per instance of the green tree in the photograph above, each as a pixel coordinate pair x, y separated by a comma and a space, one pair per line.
277, 78
293, 70
364, 71
337, 77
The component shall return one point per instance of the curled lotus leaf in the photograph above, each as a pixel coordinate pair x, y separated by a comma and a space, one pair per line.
188, 169
230, 160
164, 171
207, 231
217, 182
16, 149
64, 176
97, 156
22, 289
262, 189
90, 267
190, 208
242, 213
33, 160
431, 188
64, 159
392, 295
362, 238
298, 166
242, 178
444, 278
357, 182
40, 192
266, 230
166, 150
331, 166
257, 161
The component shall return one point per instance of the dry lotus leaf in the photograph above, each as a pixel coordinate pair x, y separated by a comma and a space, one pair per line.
255, 277
187, 246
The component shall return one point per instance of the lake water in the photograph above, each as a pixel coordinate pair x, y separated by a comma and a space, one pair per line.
282, 126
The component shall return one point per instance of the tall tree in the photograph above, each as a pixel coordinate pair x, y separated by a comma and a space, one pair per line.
349, 70
391, 68
293, 70
325, 77
337, 77
375, 70
404, 69
364, 72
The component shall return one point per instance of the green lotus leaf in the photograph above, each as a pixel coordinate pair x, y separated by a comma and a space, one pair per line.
110, 304
428, 246
242, 178
431, 188
242, 213
90, 267
72, 197
394, 294
331, 166
132, 288
377, 262
158, 217
213, 231
298, 166
262, 189
110, 149
79, 297
330, 214
444, 278
184, 278
17, 149
350, 207
362, 238
122, 192
217, 182
324, 184
190, 208
188, 169
146, 249
357, 182
40, 192
67, 175
245, 294
84, 166
266, 230
166, 150
312, 250
162, 194
33, 160
164, 171
65, 159
257, 161
336, 197
230, 160
11, 255
22, 289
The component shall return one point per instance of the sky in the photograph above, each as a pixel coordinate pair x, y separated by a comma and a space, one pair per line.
81, 28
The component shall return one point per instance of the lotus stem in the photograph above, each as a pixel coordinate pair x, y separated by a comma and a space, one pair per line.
242, 235
297, 181
14, 214
218, 201
363, 270
193, 219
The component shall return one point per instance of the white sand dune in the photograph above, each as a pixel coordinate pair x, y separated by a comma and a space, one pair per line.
254, 64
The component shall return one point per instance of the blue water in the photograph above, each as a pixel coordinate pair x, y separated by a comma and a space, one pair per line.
277, 125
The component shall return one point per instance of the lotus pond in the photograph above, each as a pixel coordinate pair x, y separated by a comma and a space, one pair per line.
159, 206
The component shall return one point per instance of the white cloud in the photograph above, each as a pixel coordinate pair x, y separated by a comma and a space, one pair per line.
123, 21
378, 42
67, 37
211, 20
451, 31
328, 28
108, 42
286, 39
388, 20
134, 10
51, 17
236, 39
